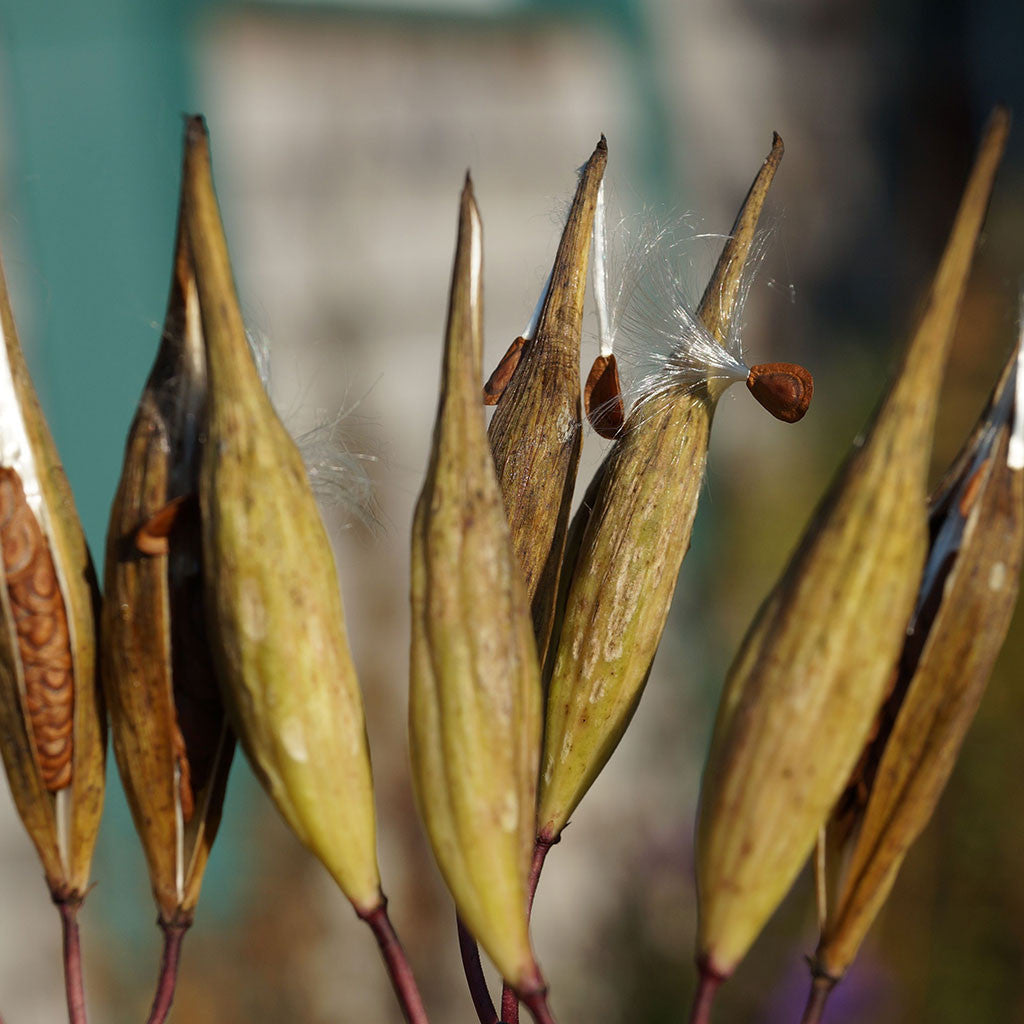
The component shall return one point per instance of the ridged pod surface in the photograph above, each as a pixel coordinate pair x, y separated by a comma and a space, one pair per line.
811, 672
474, 707
536, 434
276, 621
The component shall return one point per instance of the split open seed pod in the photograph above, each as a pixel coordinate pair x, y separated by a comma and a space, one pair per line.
474, 705
963, 611
51, 713
170, 732
626, 546
811, 673
535, 433
271, 588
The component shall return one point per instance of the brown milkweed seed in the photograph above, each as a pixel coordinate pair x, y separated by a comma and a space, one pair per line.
602, 397
784, 389
498, 380
42, 627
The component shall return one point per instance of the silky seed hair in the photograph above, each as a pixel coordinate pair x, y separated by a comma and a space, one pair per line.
646, 270
337, 473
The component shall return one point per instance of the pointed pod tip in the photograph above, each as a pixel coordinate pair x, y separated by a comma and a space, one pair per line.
1001, 117
195, 130
997, 130
602, 144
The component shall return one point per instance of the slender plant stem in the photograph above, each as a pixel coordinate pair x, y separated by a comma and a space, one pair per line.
475, 979
68, 909
704, 997
173, 936
821, 989
397, 964
509, 999
537, 1004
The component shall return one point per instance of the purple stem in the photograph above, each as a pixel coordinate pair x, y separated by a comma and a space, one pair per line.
474, 972
537, 1003
397, 964
821, 988
707, 987
173, 936
509, 999
68, 909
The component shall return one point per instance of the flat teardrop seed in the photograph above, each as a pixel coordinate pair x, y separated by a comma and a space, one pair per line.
498, 380
784, 389
602, 397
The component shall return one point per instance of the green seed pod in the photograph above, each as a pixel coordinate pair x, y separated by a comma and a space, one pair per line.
51, 711
474, 705
811, 673
535, 433
271, 587
963, 612
624, 552
169, 730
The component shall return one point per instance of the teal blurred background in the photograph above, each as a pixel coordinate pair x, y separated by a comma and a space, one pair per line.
341, 132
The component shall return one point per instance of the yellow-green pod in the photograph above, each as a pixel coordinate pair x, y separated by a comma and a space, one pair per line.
811, 672
624, 552
474, 706
52, 726
275, 614
169, 730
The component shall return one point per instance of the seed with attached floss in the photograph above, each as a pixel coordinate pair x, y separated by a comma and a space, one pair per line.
784, 389
602, 397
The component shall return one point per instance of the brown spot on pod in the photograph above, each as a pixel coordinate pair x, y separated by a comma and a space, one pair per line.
784, 389
498, 380
602, 397
41, 623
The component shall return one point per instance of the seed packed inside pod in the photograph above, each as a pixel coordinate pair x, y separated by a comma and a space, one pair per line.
41, 623
784, 389
52, 735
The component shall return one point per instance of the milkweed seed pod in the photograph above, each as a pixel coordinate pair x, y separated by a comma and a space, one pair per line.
474, 707
51, 711
625, 549
811, 672
275, 616
963, 610
535, 433
170, 734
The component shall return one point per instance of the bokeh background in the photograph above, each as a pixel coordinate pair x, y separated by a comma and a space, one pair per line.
341, 133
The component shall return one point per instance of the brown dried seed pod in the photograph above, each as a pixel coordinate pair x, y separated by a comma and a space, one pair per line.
602, 397
784, 389
42, 627
171, 738
535, 434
